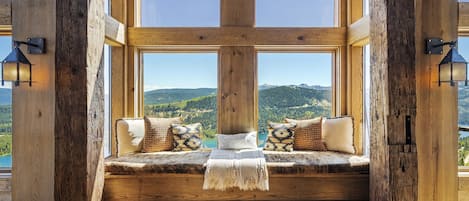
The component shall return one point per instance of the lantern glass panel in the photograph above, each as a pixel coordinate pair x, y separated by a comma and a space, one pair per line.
10, 72
459, 71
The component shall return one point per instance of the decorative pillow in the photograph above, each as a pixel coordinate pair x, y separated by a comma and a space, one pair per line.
308, 134
187, 137
281, 137
338, 134
158, 134
129, 135
237, 141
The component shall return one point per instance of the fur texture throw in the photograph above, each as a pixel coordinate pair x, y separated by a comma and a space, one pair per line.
245, 169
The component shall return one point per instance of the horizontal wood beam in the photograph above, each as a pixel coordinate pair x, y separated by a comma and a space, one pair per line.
236, 36
115, 32
359, 32
5, 12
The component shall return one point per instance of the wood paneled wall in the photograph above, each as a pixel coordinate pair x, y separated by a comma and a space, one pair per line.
34, 107
437, 114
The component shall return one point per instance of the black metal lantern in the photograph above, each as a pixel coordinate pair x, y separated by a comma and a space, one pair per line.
453, 67
16, 67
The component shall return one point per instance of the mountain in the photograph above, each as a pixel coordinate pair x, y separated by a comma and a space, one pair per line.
463, 106
5, 96
160, 96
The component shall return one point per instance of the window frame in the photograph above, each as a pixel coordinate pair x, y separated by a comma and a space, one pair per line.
6, 31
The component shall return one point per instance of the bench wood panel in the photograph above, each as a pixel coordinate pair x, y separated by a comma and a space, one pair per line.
282, 187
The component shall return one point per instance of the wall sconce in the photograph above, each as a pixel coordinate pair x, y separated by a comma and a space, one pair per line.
16, 67
453, 67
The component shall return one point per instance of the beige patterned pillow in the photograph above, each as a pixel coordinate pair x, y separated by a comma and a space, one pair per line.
187, 137
158, 134
308, 134
281, 137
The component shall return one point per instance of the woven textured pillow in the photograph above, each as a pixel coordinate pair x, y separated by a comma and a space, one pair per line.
187, 137
338, 134
158, 134
281, 137
308, 134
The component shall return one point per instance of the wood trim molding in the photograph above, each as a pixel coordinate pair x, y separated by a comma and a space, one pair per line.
114, 32
5, 12
359, 32
463, 18
236, 36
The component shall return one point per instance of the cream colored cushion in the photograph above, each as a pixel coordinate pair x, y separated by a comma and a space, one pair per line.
237, 141
338, 134
129, 135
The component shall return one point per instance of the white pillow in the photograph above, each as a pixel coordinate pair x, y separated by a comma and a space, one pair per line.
237, 141
338, 134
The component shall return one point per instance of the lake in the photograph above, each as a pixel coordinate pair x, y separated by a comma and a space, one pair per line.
5, 161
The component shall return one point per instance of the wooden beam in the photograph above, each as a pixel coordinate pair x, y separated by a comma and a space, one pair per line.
114, 32
393, 161
34, 107
463, 18
79, 100
359, 32
437, 113
239, 13
236, 36
5, 12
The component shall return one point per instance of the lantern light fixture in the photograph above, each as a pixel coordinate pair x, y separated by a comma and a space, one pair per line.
16, 67
453, 67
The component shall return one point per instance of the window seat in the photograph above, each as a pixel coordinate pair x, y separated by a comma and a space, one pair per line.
297, 162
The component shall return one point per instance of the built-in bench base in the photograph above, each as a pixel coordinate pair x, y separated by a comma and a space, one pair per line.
292, 176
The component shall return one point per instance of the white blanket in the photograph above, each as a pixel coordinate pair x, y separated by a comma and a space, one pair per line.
245, 169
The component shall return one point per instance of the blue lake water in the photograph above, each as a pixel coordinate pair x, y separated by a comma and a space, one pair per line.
5, 161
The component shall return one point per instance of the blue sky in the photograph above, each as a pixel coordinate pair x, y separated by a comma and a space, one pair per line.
269, 13
5, 49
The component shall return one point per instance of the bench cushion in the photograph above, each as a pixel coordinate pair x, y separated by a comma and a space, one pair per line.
296, 162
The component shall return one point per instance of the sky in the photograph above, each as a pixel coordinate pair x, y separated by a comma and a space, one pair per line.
269, 13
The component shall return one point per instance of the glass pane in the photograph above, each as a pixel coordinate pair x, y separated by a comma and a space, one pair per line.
463, 108
107, 8
183, 84
293, 85
5, 110
295, 13
366, 7
366, 99
180, 13
107, 101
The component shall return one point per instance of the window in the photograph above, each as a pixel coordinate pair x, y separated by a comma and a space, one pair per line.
296, 13
180, 13
294, 85
463, 109
366, 100
366, 7
5, 110
107, 102
107, 7
182, 84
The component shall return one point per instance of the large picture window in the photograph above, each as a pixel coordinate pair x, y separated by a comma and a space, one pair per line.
293, 85
366, 99
183, 84
463, 109
180, 13
107, 101
296, 13
5, 110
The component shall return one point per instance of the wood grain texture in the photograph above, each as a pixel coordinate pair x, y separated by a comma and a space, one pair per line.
393, 161
355, 94
236, 36
358, 33
34, 107
189, 187
114, 32
79, 106
237, 90
463, 17
436, 122
5, 12
237, 13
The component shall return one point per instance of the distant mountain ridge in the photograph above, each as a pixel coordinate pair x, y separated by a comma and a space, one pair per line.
5, 96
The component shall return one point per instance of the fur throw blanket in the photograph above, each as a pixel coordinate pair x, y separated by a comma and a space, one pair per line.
245, 169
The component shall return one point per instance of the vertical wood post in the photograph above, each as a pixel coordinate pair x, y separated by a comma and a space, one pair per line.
237, 74
79, 105
393, 167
